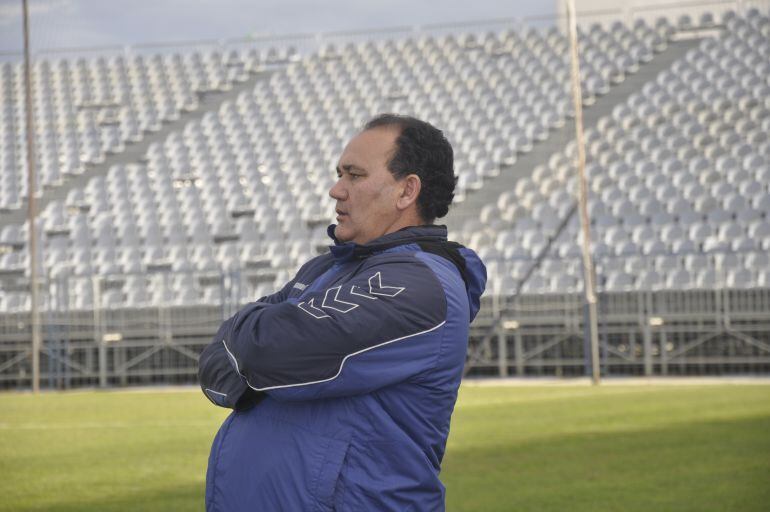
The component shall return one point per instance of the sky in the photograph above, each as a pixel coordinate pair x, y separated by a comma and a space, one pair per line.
99, 23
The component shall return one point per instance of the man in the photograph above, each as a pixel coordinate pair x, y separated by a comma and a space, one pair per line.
343, 382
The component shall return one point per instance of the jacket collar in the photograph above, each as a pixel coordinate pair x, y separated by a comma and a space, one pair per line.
407, 235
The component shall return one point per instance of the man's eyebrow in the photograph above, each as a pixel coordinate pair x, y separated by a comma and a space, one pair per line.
349, 167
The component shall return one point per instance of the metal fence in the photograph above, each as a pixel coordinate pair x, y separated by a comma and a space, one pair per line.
117, 344
107, 347
685, 332
688, 332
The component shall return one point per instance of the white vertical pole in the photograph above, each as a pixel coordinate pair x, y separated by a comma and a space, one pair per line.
589, 287
31, 209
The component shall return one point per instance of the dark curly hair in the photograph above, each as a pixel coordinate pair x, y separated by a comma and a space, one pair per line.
422, 149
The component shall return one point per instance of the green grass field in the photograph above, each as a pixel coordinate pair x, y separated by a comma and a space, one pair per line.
625, 448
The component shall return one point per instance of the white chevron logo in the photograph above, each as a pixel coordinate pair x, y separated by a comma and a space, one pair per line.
355, 290
336, 304
332, 297
311, 310
377, 288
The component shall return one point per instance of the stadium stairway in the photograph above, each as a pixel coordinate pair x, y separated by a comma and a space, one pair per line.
559, 138
209, 102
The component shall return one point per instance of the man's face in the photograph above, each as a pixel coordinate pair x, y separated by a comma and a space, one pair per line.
366, 191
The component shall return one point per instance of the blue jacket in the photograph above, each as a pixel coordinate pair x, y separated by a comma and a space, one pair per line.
343, 382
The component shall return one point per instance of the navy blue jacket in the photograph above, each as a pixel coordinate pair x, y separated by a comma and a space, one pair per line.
343, 382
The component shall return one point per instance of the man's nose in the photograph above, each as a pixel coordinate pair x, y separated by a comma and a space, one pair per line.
338, 191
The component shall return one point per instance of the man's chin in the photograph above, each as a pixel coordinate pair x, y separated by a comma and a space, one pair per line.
342, 234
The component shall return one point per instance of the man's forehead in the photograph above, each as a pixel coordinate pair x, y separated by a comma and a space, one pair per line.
375, 143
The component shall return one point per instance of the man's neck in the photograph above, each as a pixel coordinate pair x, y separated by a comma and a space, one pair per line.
408, 219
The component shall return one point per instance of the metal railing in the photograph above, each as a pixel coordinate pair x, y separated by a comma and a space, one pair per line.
661, 332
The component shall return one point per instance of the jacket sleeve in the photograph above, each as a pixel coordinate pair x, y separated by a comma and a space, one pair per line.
217, 375
376, 328
218, 378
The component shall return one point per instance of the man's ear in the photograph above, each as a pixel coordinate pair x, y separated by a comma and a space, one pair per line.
410, 191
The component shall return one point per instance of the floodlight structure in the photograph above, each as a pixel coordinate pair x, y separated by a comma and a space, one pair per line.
31, 209
589, 288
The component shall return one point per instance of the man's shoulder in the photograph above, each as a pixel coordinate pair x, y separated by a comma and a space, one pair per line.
423, 269
434, 265
404, 254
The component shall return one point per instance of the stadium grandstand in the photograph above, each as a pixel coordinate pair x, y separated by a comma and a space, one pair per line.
174, 187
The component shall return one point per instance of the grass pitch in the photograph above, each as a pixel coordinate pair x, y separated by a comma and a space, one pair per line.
645, 448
